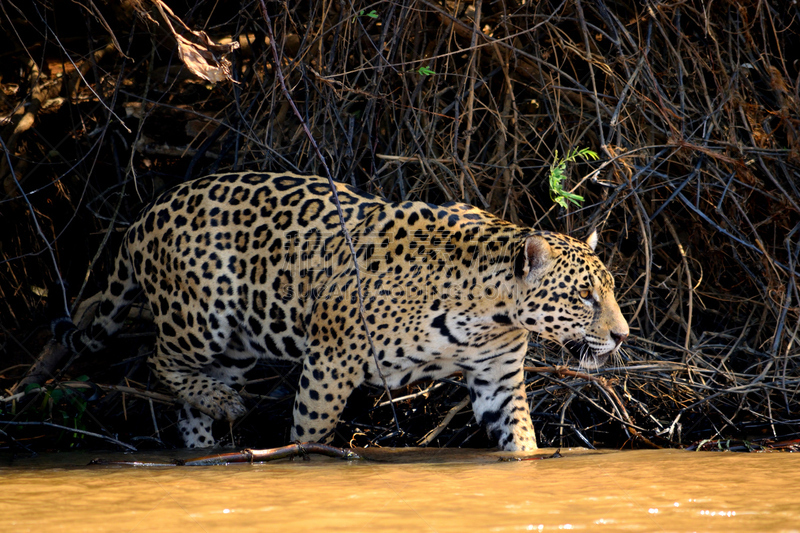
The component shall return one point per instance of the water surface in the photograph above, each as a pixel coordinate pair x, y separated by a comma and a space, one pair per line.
415, 490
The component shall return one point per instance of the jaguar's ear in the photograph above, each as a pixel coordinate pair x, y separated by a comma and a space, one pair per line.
536, 254
591, 240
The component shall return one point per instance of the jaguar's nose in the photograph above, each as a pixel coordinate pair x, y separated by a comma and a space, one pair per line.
619, 338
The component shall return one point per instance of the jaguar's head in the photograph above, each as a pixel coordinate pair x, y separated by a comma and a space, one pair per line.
567, 295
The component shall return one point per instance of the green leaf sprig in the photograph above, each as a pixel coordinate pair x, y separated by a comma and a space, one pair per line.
557, 176
372, 14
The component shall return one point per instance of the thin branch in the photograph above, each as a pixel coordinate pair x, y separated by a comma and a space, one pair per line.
70, 430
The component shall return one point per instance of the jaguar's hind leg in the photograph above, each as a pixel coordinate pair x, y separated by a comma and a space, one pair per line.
203, 380
322, 395
186, 376
231, 367
195, 427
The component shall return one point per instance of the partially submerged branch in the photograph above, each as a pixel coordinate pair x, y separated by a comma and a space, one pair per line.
252, 456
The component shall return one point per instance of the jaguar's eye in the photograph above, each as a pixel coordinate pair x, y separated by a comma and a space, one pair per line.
585, 293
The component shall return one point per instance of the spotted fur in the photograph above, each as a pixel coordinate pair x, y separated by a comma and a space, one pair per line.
241, 267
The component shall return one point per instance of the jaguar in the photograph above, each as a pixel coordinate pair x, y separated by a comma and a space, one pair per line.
241, 267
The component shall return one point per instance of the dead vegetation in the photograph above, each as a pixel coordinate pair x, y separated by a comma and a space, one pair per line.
693, 108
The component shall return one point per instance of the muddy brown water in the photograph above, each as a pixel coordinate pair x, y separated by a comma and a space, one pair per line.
411, 490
